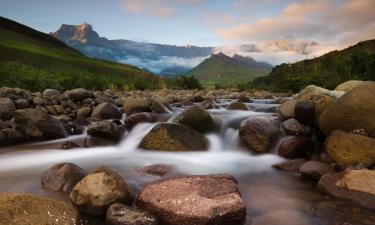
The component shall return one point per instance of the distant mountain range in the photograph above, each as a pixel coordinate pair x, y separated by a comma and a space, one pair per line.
221, 69
156, 58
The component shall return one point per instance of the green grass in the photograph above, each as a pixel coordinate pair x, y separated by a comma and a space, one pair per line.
34, 60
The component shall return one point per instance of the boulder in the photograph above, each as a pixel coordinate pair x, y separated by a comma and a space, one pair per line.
286, 109
355, 185
198, 200
259, 133
62, 177
136, 105
79, 94
107, 129
304, 112
51, 92
238, 106
6, 108
174, 137
98, 190
158, 107
38, 101
295, 147
346, 149
315, 169
27, 209
120, 214
106, 111
209, 104
91, 141
9, 136
195, 117
22, 103
293, 127
84, 112
292, 165
354, 110
348, 85
38, 125
134, 119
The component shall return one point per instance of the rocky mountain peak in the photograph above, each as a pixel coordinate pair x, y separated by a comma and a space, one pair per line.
83, 33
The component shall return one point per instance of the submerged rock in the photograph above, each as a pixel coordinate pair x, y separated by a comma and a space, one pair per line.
259, 133
292, 165
195, 117
315, 169
174, 137
120, 214
156, 169
62, 177
198, 200
98, 190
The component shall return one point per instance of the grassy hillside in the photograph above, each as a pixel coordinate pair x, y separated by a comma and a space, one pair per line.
34, 60
222, 70
354, 63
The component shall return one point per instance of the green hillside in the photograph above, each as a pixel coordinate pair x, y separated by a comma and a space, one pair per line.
34, 60
354, 63
223, 70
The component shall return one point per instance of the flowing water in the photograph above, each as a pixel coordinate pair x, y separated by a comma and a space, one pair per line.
278, 197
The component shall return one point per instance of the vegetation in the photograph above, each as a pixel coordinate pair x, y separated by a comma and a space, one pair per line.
354, 63
183, 82
35, 61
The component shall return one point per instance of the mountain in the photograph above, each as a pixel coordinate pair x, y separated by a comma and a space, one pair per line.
150, 56
221, 69
354, 63
35, 60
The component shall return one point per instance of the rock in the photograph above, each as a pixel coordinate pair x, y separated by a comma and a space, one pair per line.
38, 125
156, 169
79, 94
282, 217
62, 177
69, 145
136, 105
38, 101
27, 209
6, 108
198, 200
353, 110
157, 107
304, 112
106, 111
63, 118
98, 190
286, 109
73, 128
90, 142
238, 106
293, 127
243, 98
292, 165
209, 104
84, 112
355, 185
22, 103
134, 119
9, 136
120, 214
174, 137
347, 149
195, 117
107, 129
59, 109
295, 147
315, 169
259, 133
348, 85
51, 92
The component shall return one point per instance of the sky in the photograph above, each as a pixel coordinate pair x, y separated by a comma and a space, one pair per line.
280, 28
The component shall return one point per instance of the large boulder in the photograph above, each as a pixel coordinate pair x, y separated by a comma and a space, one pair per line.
259, 133
6, 108
98, 190
120, 214
355, 109
79, 94
106, 111
136, 105
355, 185
174, 137
294, 147
37, 124
107, 129
198, 200
304, 112
62, 177
27, 209
348, 85
9, 136
286, 109
195, 117
347, 149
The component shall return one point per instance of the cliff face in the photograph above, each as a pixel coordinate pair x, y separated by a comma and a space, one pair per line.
82, 33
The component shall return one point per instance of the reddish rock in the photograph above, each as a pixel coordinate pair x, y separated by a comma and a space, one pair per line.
294, 147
